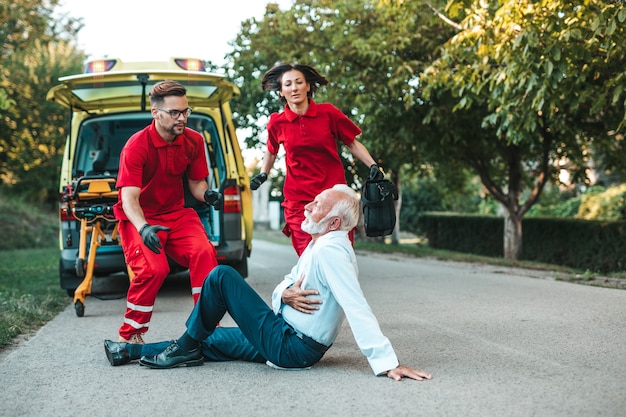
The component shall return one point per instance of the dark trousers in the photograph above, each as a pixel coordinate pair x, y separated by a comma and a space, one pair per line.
261, 335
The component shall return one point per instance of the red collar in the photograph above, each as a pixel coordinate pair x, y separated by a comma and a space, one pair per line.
310, 112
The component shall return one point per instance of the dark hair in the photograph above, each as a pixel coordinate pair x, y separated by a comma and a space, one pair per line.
166, 88
272, 78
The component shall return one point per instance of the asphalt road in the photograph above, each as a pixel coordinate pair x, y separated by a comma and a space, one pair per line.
499, 342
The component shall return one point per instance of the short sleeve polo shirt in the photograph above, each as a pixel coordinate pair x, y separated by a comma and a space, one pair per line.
157, 167
311, 148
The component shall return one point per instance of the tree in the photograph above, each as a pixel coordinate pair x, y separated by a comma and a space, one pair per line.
37, 50
523, 86
371, 51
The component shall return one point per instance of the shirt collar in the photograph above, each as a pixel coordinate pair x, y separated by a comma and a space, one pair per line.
310, 112
157, 140
335, 234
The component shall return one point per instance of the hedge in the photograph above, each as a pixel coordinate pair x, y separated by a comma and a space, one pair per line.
598, 246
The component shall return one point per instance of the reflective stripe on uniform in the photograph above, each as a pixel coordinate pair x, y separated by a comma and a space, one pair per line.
143, 309
135, 324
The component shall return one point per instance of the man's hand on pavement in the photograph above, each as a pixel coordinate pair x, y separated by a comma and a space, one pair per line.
405, 371
299, 300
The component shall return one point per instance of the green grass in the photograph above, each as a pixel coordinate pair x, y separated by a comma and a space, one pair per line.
30, 294
28, 226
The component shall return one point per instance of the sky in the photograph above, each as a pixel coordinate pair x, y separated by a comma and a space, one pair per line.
155, 30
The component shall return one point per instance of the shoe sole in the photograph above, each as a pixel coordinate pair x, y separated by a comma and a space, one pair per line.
193, 362
112, 360
280, 368
110, 357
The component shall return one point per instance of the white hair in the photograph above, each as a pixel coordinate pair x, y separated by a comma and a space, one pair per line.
346, 208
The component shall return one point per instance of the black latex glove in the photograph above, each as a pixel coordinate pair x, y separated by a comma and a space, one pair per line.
213, 198
257, 180
149, 235
375, 173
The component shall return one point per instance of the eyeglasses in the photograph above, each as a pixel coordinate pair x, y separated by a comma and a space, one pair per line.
175, 114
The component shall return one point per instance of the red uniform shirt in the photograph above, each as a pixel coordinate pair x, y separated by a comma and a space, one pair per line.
157, 167
311, 148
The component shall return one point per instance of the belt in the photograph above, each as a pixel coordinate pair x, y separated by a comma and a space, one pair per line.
317, 346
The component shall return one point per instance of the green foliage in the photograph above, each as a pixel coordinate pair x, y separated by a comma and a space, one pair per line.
568, 208
426, 194
594, 245
479, 235
524, 85
372, 53
5, 101
24, 22
587, 245
417, 197
39, 51
595, 203
555, 202
604, 204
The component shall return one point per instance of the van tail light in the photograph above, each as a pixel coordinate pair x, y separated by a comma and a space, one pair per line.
66, 195
190, 64
100, 65
232, 199
63, 213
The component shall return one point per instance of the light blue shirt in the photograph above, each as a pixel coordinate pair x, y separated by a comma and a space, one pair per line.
329, 266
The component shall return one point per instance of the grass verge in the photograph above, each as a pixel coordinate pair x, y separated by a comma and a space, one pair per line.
30, 294
28, 226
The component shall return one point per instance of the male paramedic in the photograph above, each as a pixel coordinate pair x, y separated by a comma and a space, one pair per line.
153, 222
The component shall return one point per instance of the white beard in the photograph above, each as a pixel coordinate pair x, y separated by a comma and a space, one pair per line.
312, 228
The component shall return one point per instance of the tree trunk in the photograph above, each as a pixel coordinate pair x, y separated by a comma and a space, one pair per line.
512, 236
395, 236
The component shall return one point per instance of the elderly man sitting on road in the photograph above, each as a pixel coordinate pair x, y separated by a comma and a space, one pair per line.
309, 306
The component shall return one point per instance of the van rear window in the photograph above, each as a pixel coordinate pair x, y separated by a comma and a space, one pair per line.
101, 139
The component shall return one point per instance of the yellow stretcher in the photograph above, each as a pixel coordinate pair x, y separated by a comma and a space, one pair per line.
91, 202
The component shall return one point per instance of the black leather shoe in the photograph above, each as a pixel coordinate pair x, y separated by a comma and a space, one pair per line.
173, 357
116, 353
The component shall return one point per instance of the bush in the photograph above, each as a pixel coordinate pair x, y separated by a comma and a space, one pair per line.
589, 245
604, 204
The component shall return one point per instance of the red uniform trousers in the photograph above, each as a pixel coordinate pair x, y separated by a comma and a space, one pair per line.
186, 243
294, 216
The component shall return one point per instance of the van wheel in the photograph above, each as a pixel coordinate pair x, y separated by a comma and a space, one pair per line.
80, 308
68, 280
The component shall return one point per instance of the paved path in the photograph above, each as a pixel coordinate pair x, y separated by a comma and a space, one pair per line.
499, 342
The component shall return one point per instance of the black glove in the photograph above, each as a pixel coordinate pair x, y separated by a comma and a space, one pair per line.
213, 198
149, 235
257, 180
375, 173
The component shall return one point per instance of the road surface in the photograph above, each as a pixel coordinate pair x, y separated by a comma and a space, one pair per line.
498, 341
